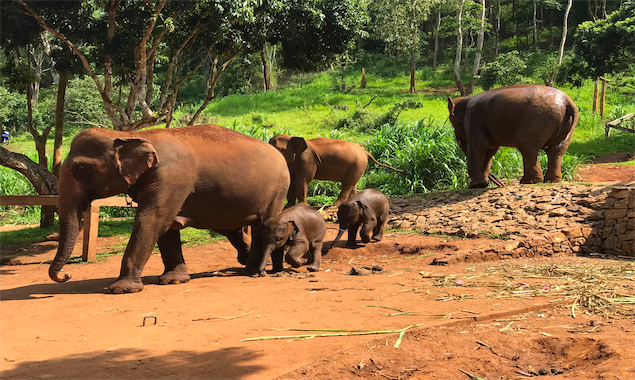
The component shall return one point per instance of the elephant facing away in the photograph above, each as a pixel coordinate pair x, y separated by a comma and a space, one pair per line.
203, 176
528, 117
322, 159
369, 209
301, 229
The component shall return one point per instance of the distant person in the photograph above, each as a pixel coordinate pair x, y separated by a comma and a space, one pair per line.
5, 137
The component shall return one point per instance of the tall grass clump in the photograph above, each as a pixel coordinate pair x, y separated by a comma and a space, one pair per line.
428, 154
14, 183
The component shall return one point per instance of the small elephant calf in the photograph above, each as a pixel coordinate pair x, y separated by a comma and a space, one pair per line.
300, 228
369, 209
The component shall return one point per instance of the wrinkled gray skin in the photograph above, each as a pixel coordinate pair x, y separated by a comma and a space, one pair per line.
369, 209
301, 229
203, 176
528, 117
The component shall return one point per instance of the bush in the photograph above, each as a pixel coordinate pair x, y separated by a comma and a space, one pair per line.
428, 154
506, 69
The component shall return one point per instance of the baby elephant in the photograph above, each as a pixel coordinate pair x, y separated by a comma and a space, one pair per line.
368, 208
301, 229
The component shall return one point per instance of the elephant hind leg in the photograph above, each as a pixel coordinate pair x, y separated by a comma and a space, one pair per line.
531, 167
315, 256
554, 163
241, 240
172, 254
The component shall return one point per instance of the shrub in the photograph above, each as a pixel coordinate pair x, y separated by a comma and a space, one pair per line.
505, 70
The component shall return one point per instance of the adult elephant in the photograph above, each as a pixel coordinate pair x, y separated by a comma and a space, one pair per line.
528, 117
322, 159
203, 176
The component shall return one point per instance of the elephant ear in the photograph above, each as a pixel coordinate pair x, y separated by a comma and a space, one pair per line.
363, 209
293, 229
133, 157
297, 144
457, 110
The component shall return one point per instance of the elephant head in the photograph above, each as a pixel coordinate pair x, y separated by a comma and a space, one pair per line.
349, 214
289, 146
457, 109
275, 234
97, 166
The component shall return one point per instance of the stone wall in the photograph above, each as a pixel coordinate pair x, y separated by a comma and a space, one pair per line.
615, 235
524, 221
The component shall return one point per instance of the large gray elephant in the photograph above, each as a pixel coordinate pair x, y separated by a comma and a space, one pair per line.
301, 229
203, 176
528, 117
323, 159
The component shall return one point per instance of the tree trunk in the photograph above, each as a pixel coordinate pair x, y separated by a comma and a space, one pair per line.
265, 70
459, 50
479, 51
564, 31
59, 123
362, 85
497, 26
436, 41
413, 69
535, 27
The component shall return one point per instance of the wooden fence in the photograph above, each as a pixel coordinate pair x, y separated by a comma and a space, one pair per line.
91, 216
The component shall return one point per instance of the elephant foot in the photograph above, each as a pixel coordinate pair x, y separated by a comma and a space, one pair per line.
553, 179
477, 185
173, 277
529, 181
243, 257
296, 263
254, 272
313, 268
125, 286
376, 238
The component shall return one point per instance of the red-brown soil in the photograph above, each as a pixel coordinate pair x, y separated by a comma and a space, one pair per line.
75, 331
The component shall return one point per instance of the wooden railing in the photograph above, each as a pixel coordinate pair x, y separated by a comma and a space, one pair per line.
615, 124
91, 216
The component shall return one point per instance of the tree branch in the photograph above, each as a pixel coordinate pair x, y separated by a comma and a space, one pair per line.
45, 182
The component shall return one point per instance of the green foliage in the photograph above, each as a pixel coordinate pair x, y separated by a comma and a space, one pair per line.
506, 69
429, 155
12, 111
605, 46
364, 121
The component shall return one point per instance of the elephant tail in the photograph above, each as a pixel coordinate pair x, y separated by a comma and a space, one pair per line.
570, 121
384, 165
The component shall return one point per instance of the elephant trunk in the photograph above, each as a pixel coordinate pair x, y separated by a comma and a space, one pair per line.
70, 215
338, 237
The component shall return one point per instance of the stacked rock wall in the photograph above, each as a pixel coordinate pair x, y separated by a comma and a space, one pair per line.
615, 235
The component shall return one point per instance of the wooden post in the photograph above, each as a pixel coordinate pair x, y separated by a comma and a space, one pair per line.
363, 84
595, 95
91, 227
602, 96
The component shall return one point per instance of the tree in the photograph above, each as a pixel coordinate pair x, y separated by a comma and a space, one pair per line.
399, 24
563, 40
605, 46
463, 89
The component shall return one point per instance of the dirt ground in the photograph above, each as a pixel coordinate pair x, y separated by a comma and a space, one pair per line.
464, 318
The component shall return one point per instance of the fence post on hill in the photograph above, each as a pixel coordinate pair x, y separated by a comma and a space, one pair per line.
602, 96
595, 95
363, 84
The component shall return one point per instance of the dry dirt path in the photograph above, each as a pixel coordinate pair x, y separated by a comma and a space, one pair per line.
469, 318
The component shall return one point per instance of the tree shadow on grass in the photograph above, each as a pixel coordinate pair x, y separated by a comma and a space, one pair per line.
226, 363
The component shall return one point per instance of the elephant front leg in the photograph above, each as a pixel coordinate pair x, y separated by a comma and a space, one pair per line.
352, 236
136, 256
296, 252
378, 231
367, 230
172, 254
475, 164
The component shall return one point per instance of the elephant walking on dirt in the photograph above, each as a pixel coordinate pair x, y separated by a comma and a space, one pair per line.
528, 117
301, 229
322, 159
369, 209
203, 176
